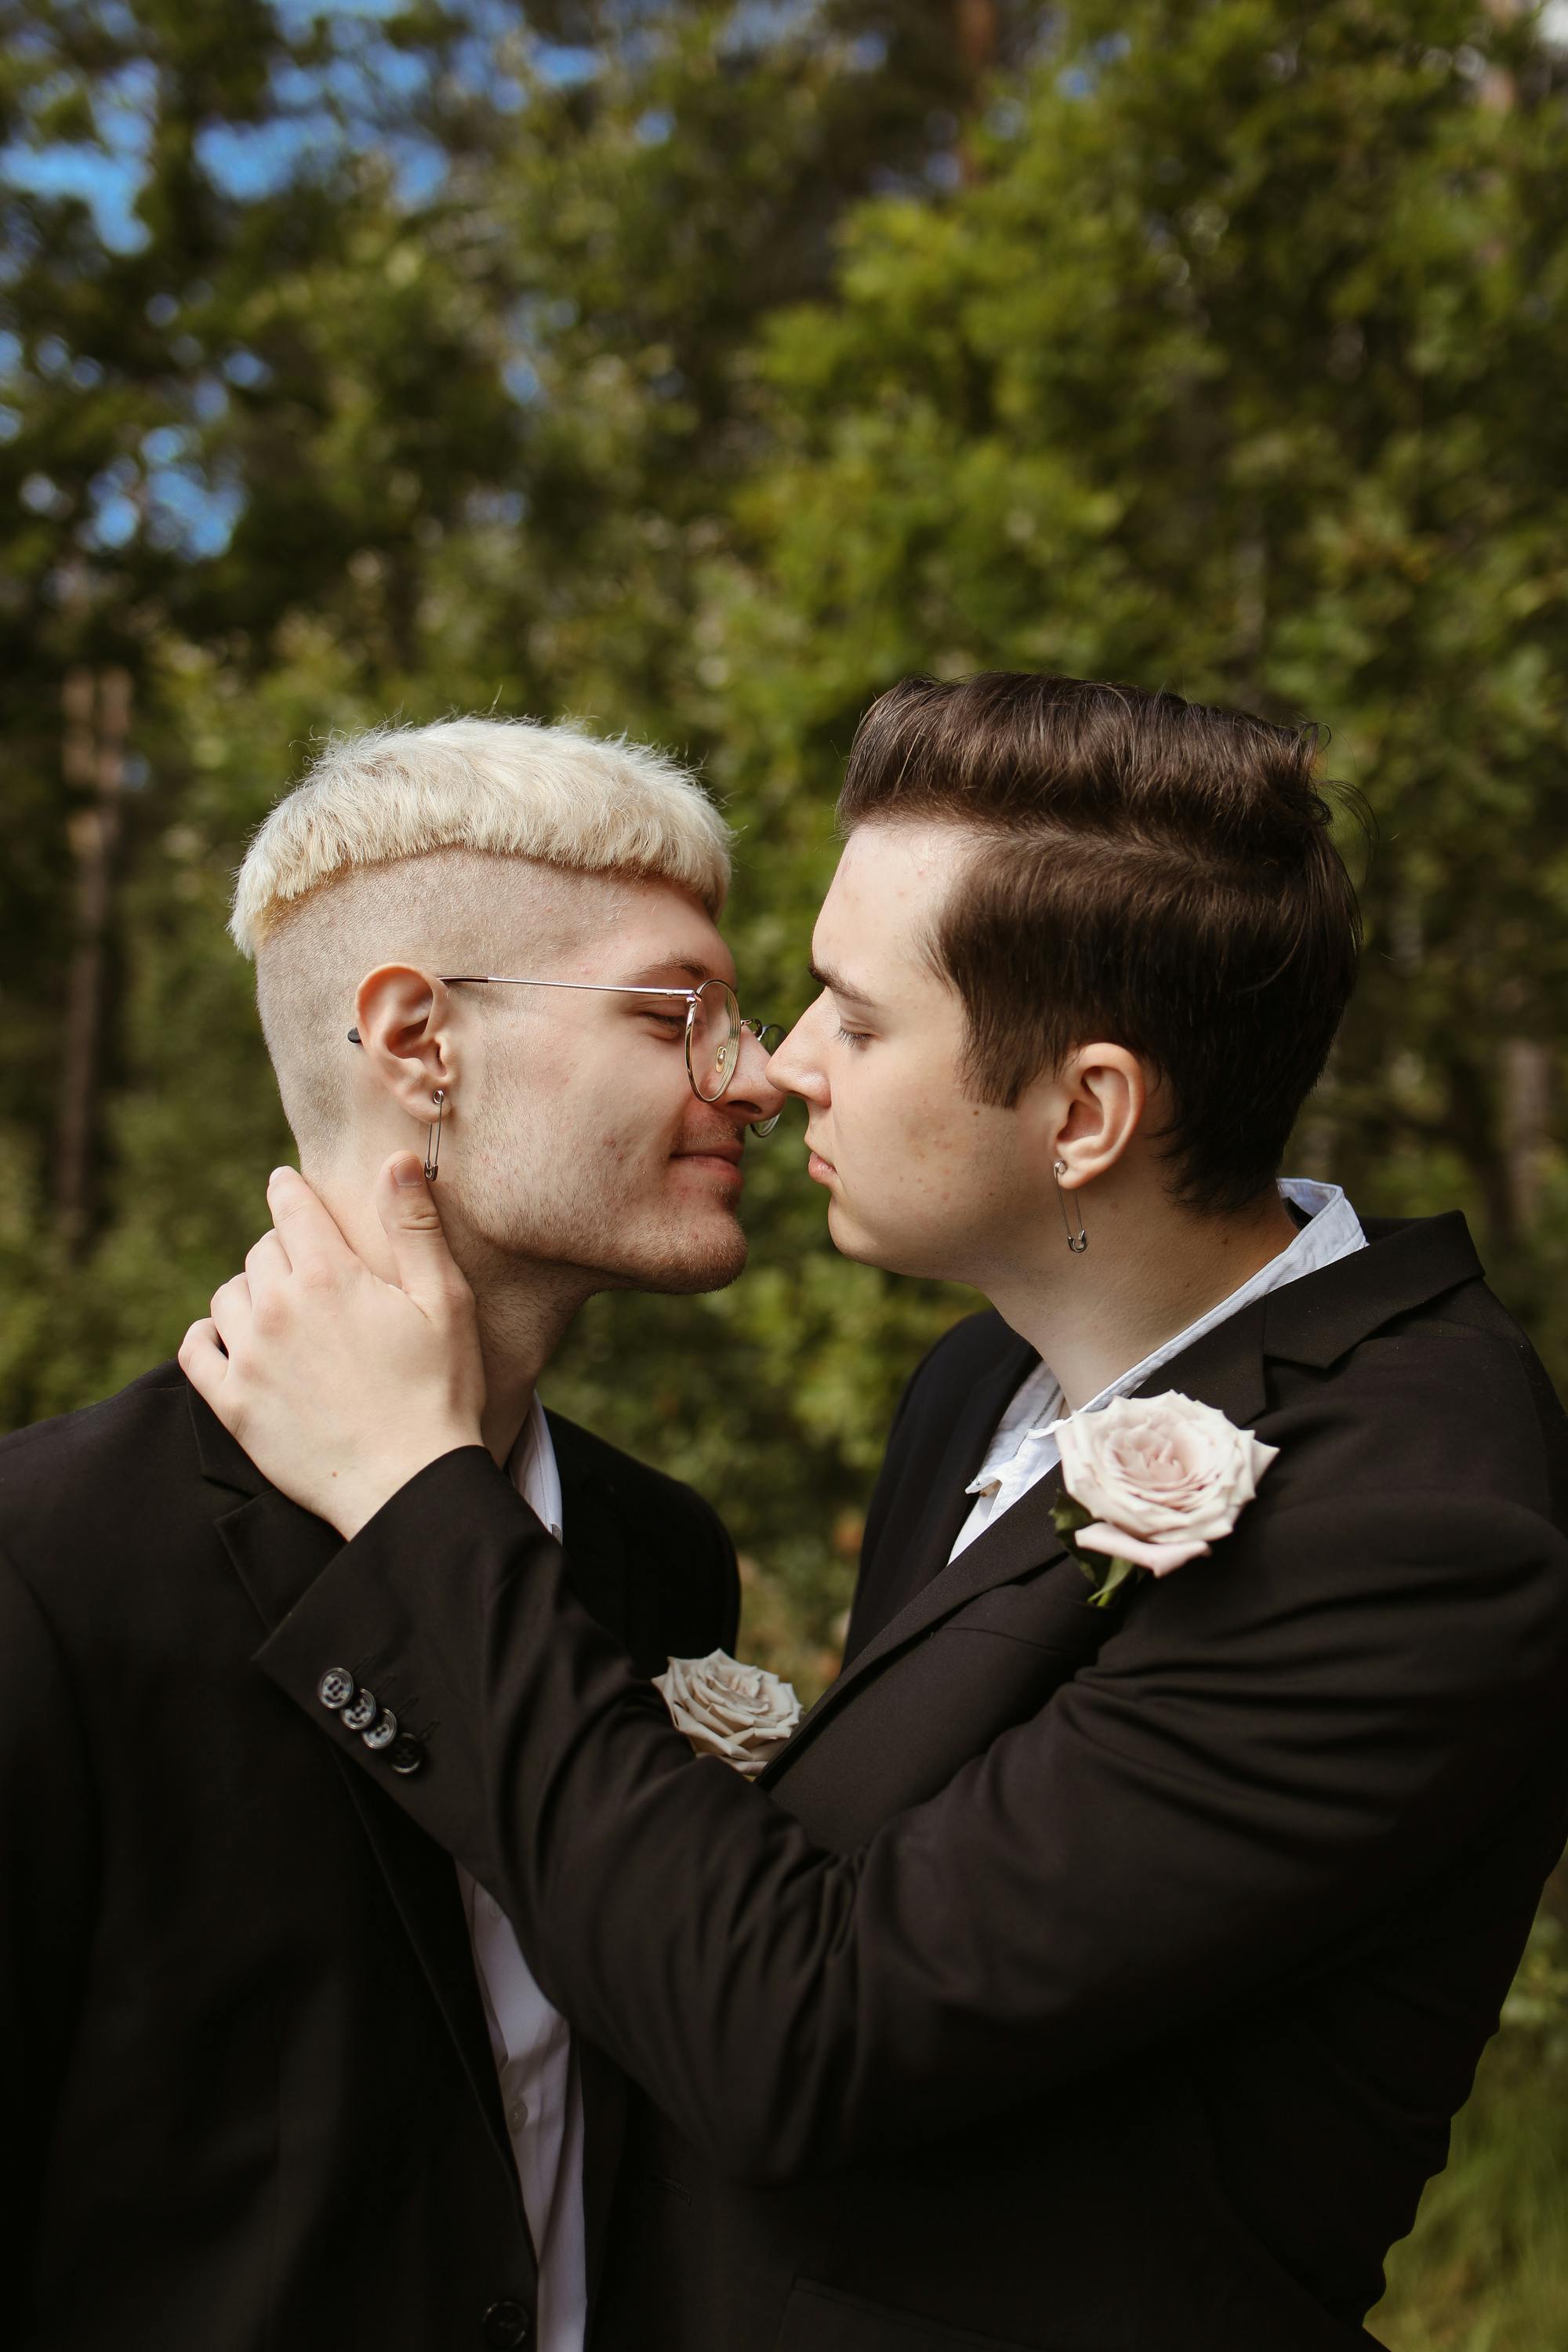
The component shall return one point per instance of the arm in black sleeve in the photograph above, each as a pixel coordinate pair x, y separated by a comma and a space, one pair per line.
45, 1898
1269, 1749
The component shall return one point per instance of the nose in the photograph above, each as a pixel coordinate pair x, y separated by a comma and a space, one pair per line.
751, 1091
796, 1067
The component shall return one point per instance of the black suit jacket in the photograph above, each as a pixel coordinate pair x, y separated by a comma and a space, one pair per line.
244, 2068
1081, 1979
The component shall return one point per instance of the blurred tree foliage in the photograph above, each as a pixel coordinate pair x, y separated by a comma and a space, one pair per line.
699, 369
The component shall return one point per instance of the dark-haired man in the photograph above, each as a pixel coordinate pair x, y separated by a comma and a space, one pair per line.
1085, 1978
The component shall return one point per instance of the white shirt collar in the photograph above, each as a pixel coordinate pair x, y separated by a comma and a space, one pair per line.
1021, 1451
533, 1470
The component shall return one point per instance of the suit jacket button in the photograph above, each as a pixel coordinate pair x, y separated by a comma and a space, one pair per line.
506, 2324
361, 1711
383, 1731
406, 1754
335, 1688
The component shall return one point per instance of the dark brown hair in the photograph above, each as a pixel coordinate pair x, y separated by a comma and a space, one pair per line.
1155, 873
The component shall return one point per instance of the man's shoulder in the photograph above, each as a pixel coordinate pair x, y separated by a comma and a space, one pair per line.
1450, 1397
61, 1457
106, 1500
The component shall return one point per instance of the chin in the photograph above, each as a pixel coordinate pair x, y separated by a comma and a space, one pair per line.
884, 1252
679, 1264
852, 1240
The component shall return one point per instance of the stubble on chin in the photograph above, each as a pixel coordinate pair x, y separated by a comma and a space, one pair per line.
600, 1231
686, 1265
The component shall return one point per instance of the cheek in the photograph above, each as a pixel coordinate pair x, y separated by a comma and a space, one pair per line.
884, 1132
946, 1160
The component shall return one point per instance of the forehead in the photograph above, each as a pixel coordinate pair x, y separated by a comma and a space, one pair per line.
614, 926
891, 884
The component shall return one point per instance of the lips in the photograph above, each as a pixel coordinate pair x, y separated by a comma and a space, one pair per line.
719, 1158
726, 1147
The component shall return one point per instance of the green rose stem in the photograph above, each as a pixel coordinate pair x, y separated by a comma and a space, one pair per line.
1106, 1575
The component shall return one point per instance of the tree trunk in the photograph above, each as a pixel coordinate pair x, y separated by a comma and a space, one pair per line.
977, 29
978, 26
93, 760
1526, 1126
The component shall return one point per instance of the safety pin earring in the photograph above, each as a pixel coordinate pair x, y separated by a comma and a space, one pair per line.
433, 1136
1078, 1243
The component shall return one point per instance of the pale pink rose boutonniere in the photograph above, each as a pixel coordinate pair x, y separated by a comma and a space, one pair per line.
742, 1714
1150, 1483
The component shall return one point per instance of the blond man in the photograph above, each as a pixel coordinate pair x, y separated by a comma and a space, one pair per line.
279, 2071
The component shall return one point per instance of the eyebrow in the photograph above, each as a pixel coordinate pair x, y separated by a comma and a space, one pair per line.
839, 984
653, 972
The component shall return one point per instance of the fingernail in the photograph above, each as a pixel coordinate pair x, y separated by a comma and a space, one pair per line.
279, 1174
407, 1175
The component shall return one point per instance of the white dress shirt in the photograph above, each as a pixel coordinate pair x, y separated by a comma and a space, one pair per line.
531, 2041
1022, 1450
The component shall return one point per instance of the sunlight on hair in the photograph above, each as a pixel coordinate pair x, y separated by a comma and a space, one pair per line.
513, 788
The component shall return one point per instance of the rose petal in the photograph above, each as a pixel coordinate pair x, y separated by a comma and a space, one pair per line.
740, 1714
1163, 1469
1160, 1559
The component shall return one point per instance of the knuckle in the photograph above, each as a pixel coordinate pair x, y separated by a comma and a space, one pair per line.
270, 1317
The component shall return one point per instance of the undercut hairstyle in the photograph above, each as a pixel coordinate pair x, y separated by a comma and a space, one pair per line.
1148, 872
426, 845
509, 787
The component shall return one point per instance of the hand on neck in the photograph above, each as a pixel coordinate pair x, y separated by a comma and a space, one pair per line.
524, 1308
1151, 1268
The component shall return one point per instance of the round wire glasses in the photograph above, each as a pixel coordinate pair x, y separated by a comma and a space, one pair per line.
714, 1025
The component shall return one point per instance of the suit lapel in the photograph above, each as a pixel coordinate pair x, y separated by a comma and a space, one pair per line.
1222, 1369
1021, 1541
277, 1550
920, 1532
596, 1548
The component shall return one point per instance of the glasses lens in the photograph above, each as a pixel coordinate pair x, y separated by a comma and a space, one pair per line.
713, 1040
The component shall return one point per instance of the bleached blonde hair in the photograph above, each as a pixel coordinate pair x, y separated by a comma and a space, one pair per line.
509, 787
395, 844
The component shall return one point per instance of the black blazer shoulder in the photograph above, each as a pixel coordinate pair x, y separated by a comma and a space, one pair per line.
101, 1505
1435, 1391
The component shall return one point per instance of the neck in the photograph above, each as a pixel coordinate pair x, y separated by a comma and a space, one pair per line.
523, 1308
521, 1327
1150, 1271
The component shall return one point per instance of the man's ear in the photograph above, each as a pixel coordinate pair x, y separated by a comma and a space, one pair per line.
403, 1017
1103, 1094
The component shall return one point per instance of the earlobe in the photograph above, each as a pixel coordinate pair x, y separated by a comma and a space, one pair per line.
1102, 1095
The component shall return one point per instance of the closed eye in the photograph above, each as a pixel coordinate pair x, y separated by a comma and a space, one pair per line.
853, 1036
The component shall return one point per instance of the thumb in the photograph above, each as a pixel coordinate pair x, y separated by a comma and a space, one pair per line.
426, 1267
